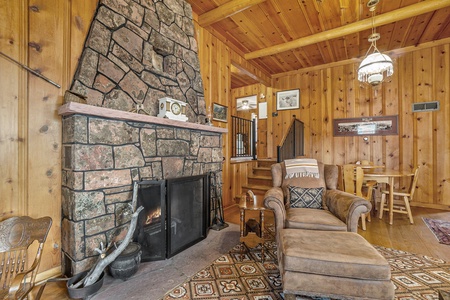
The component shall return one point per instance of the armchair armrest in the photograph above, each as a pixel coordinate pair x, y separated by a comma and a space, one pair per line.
274, 200
347, 207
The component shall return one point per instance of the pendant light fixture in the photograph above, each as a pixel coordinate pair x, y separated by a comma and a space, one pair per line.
375, 67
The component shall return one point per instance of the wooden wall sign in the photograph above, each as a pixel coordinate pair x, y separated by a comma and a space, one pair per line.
380, 125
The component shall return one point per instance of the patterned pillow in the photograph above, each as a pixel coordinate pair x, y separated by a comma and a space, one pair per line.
306, 197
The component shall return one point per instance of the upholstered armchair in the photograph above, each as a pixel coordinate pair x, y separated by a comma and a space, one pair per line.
340, 210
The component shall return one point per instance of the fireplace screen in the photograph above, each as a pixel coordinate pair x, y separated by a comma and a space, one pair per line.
175, 215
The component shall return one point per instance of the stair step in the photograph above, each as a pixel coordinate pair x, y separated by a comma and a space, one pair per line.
260, 180
262, 171
256, 189
266, 162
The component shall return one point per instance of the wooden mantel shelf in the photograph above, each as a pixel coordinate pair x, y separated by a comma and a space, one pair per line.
72, 108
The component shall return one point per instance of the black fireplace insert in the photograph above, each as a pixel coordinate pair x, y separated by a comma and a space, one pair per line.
175, 216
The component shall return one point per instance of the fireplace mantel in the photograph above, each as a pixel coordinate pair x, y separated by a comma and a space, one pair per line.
72, 108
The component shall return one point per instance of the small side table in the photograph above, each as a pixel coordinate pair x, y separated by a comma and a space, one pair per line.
251, 239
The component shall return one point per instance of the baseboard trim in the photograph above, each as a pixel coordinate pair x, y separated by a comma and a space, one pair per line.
230, 206
430, 205
51, 273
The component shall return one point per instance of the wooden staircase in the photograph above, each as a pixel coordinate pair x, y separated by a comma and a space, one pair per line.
259, 180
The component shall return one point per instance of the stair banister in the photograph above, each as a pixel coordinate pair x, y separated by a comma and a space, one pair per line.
292, 144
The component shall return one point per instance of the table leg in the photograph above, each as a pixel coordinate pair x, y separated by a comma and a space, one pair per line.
242, 217
261, 218
391, 200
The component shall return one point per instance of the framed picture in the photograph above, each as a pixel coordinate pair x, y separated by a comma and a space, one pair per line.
246, 103
288, 99
382, 125
220, 112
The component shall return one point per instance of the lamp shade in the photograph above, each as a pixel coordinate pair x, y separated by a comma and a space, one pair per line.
374, 67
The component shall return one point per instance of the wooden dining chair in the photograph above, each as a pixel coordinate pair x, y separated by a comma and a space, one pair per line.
365, 162
17, 273
354, 184
400, 205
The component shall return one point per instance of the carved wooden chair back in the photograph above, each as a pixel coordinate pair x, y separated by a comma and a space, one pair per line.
365, 162
17, 273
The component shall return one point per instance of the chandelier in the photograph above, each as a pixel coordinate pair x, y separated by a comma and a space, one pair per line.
376, 66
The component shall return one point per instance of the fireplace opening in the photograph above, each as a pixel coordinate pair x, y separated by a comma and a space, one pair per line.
175, 215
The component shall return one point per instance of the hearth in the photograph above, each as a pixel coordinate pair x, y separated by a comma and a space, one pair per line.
175, 215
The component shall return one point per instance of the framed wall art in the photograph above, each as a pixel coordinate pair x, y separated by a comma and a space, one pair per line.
380, 125
288, 99
220, 112
246, 103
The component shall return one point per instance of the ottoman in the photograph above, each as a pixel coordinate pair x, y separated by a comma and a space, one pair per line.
334, 264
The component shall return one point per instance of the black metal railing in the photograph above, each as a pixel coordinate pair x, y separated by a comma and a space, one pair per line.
292, 144
243, 137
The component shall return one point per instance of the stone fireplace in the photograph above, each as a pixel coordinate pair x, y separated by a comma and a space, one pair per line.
136, 52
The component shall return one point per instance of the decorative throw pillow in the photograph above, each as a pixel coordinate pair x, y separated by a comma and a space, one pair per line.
306, 197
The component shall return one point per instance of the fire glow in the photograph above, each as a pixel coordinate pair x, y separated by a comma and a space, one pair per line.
154, 215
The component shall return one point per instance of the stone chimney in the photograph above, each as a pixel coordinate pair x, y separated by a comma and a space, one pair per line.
139, 51
136, 52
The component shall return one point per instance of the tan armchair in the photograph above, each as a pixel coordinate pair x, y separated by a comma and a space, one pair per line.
17, 274
341, 211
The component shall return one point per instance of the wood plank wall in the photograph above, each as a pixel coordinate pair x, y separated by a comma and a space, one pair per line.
47, 36
422, 74
215, 61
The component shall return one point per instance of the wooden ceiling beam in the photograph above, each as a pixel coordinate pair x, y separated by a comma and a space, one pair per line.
226, 10
239, 70
389, 17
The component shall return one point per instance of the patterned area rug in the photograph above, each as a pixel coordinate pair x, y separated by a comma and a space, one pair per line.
238, 277
440, 229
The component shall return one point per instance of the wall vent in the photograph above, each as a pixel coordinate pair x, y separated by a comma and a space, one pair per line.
425, 106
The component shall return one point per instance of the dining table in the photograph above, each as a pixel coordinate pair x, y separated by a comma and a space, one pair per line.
369, 167
387, 176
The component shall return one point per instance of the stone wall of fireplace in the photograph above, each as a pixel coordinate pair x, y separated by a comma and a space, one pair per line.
139, 51
136, 52
101, 159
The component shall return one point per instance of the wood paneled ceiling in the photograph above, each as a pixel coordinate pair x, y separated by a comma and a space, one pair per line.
284, 35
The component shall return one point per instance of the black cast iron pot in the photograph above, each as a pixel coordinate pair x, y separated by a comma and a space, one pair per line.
127, 263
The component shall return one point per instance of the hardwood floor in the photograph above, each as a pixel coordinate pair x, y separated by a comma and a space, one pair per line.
416, 238
401, 235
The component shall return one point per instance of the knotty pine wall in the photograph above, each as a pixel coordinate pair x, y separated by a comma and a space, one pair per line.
46, 35
421, 74
215, 62
329, 92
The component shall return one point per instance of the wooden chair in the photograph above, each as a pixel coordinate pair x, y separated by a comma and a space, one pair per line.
401, 206
17, 277
365, 162
354, 184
